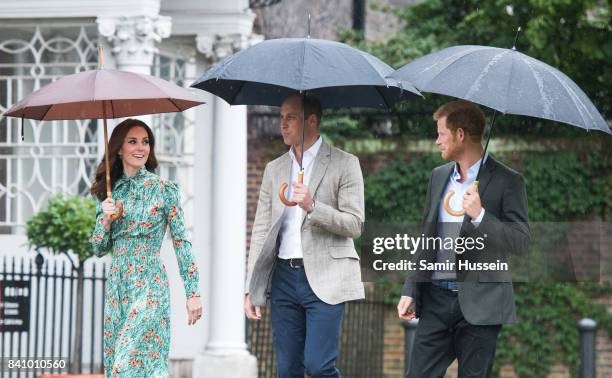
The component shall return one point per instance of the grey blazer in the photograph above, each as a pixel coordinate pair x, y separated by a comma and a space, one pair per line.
330, 259
485, 297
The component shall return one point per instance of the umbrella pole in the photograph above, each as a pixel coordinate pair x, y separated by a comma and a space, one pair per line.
484, 152
109, 194
300, 178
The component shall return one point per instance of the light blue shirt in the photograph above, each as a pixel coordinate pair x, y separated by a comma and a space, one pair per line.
450, 225
459, 188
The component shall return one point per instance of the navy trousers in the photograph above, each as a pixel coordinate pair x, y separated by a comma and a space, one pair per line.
306, 330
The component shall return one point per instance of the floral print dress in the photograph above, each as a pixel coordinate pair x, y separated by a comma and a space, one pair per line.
137, 306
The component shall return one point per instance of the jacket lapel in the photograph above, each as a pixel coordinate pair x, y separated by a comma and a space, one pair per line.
485, 175
319, 167
438, 184
483, 182
282, 175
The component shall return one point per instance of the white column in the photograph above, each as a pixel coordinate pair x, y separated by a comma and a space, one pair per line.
202, 202
225, 354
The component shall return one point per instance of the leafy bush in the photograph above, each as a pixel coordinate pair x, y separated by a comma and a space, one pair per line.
64, 226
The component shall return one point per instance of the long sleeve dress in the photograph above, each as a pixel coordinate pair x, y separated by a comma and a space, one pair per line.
137, 306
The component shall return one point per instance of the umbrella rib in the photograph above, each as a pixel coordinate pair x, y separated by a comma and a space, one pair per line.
302, 66
476, 85
46, 112
455, 57
238, 91
548, 114
174, 103
577, 102
383, 97
509, 84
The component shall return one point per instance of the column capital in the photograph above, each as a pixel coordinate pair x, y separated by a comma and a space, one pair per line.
217, 47
133, 38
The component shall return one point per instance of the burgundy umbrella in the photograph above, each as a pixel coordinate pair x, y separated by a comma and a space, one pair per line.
102, 94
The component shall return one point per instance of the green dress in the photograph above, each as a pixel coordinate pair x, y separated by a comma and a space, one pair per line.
137, 306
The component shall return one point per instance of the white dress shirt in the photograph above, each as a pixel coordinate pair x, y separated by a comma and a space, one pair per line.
290, 231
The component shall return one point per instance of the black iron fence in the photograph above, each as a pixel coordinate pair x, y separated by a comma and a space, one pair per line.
38, 304
361, 343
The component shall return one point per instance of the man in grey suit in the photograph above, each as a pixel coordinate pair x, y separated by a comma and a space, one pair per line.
461, 311
302, 259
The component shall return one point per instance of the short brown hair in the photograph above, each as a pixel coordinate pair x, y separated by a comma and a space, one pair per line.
310, 105
465, 115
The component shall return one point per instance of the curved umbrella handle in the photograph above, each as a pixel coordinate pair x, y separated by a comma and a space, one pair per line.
118, 212
118, 209
109, 194
284, 186
447, 206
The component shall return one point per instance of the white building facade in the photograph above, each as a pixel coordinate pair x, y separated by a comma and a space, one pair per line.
204, 148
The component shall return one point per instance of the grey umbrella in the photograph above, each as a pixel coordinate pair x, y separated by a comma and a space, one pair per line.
336, 74
505, 80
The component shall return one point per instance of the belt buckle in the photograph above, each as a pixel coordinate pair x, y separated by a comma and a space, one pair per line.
291, 264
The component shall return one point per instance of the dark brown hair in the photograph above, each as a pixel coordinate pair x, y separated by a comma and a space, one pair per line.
465, 115
310, 105
98, 188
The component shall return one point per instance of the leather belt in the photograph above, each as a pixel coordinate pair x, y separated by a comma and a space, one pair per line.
446, 284
293, 263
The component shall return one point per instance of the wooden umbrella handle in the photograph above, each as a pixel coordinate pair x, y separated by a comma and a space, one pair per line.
447, 206
284, 186
109, 194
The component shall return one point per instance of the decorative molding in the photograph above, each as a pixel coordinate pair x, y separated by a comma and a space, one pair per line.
217, 47
78, 8
198, 22
133, 38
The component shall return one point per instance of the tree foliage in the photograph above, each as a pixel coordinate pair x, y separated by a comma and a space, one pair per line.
571, 35
64, 226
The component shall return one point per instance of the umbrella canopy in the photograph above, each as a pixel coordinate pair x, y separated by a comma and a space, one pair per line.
505, 80
336, 74
103, 94
85, 94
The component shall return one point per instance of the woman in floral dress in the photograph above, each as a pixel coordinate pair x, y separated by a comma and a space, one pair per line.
137, 307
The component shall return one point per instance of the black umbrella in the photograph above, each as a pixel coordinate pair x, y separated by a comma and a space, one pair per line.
506, 80
336, 74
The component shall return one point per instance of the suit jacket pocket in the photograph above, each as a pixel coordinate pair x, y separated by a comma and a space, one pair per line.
339, 252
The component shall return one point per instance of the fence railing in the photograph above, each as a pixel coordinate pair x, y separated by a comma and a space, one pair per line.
38, 311
361, 342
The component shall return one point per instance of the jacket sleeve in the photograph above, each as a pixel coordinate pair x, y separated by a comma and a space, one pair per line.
347, 220
101, 237
180, 240
510, 232
261, 225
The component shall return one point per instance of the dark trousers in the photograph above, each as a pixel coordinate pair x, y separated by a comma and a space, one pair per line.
443, 335
306, 330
